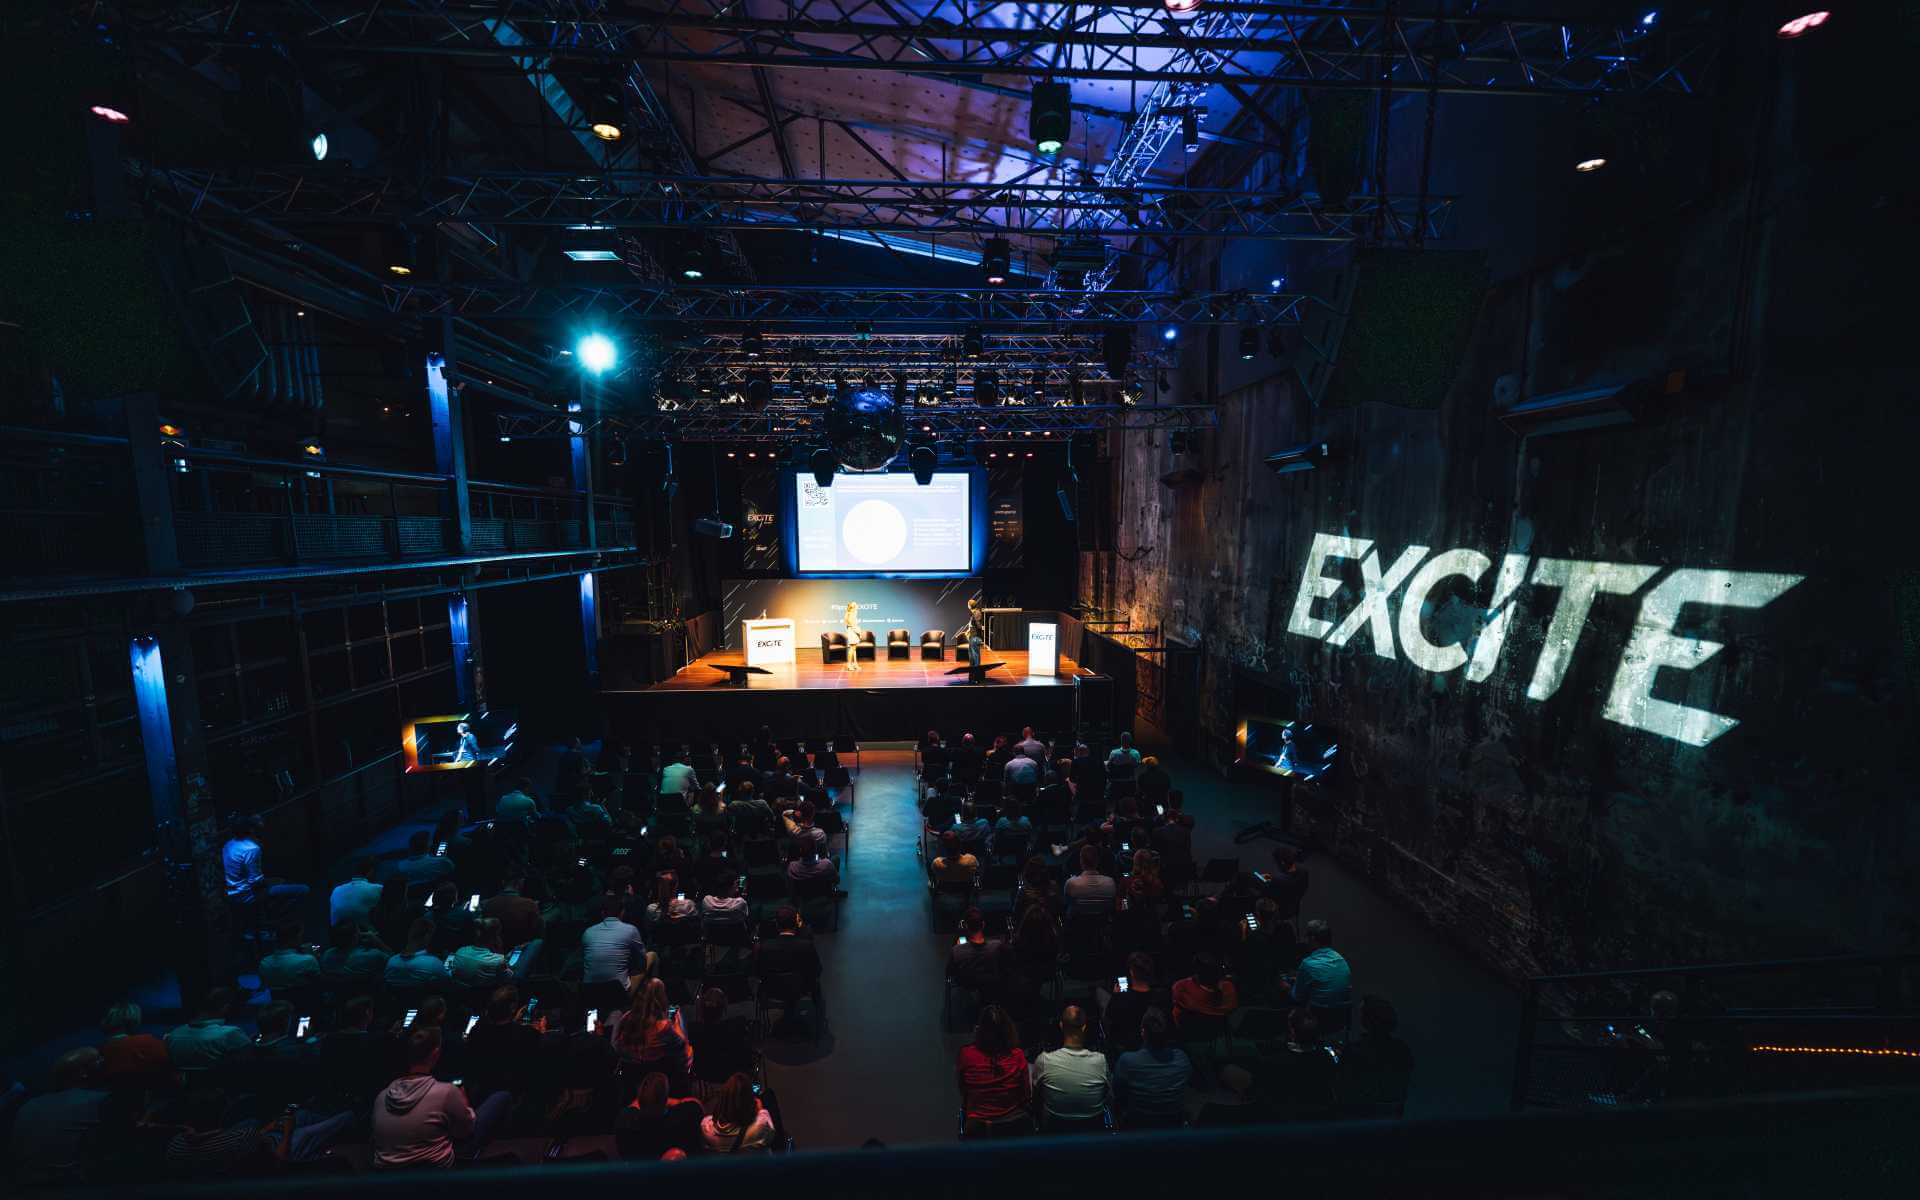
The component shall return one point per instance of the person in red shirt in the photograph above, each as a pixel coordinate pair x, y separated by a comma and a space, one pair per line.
1207, 992
993, 1073
129, 1057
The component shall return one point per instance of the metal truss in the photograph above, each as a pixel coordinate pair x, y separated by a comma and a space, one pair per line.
956, 426
926, 357
811, 305
635, 200
1322, 46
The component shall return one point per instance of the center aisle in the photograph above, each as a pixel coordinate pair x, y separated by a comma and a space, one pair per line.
882, 1069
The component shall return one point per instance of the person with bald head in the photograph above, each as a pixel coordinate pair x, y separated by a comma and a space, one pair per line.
1070, 1083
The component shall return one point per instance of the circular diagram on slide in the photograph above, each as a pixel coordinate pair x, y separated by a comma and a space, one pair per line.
874, 532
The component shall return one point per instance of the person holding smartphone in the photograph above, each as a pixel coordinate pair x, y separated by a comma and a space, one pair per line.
418, 1119
650, 1036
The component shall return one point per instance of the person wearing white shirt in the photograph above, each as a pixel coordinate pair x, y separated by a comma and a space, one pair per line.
354, 901
613, 950
724, 903
1071, 1083
677, 779
246, 881
1022, 769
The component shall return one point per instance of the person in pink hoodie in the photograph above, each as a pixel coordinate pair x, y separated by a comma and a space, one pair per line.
417, 1120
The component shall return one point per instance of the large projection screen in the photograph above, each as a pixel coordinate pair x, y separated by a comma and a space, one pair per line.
883, 525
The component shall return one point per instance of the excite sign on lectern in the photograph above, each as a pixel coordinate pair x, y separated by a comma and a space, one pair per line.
1043, 649
767, 641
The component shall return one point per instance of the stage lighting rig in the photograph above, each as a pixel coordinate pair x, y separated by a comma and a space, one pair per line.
597, 353
1249, 342
606, 114
996, 261
974, 344
1050, 117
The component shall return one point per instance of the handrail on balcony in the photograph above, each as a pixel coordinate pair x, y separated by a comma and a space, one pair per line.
247, 461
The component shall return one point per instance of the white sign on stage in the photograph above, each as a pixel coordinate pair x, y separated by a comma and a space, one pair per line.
1043, 649
767, 641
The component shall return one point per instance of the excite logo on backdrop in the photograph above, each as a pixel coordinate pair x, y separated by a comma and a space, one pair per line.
1652, 645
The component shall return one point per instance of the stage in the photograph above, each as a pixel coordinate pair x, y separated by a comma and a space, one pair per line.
896, 699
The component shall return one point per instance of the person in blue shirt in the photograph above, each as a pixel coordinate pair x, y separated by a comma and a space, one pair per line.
1151, 1083
1324, 980
247, 883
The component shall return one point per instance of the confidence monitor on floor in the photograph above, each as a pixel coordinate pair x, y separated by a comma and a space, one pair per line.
885, 524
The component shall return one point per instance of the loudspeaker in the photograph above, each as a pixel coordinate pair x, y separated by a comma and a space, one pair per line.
1092, 705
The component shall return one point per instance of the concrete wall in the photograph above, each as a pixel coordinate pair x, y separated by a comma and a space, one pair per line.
1536, 831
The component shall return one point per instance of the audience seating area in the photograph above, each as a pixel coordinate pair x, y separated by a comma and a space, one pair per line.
593, 975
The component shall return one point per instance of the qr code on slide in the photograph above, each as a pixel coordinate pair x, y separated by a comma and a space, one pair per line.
812, 495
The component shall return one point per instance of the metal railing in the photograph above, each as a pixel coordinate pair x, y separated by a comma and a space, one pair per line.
1607, 1039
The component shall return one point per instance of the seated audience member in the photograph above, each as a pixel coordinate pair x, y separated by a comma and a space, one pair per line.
953, 864
452, 919
1071, 1082
1378, 1066
1145, 882
724, 902
517, 914
502, 1052
417, 1119
790, 951
974, 835
748, 814
353, 902
977, 961
798, 822
416, 965
670, 855
967, 758
1127, 1009
738, 1121
247, 883
613, 950
483, 960
1031, 746
1324, 980
422, 865
1036, 882
710, 821
654, 1123
994, 1086
353, 1059
1022, 771
209, 1147
1091, 891
669, 902
281, 1068
650, 1036
130, 1058
722, 1044
1150, 1084
290, 964
53, 1132
1123, 757
934, 754
519, 804
1013, 819
1269, 948
1086, 775
589, 817
352, 957
1152, 782
209, 1039
1205, 993
811, 866
1173, 836
780, 785
1298, 1082
1289, 884
1034, 950
677, 778
740, 771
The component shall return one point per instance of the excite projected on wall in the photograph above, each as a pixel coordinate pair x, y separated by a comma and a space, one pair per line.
883, 524
1655, 643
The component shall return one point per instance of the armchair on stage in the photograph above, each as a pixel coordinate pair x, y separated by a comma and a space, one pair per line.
960, 644
933, 644
899, 644
833, 647
864, 649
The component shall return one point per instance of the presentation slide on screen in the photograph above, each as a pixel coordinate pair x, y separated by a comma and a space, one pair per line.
883, 523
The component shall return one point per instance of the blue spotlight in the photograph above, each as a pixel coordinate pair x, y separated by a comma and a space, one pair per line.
1170, 333
1649, 17
597, 353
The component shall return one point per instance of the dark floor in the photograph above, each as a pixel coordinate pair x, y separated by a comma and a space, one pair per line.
884, 1067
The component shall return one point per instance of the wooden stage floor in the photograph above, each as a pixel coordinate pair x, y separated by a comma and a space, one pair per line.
810, 674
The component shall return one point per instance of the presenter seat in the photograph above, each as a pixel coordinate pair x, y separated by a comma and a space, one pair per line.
899, 644
933, 644
864, 648
833, 647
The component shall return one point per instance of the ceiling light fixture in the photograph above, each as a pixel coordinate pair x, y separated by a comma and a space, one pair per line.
1050, 117
996, 260
1800, 26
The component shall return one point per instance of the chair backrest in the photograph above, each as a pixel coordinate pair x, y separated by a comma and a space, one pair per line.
898, 637
1201, 1027
833, 639
866, 637
933, 637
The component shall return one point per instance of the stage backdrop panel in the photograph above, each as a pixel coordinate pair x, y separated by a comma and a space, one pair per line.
817, 606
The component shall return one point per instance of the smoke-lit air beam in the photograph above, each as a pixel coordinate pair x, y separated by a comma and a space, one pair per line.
1654, 645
